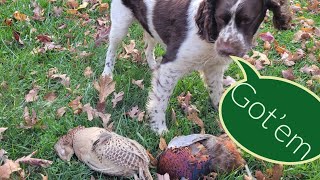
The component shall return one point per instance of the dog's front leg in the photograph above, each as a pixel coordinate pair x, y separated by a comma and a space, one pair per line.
213, 77
163, 82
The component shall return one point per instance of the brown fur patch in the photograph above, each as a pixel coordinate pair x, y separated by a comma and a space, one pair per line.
171, 23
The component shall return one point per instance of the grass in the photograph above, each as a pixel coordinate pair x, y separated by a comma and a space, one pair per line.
21, 69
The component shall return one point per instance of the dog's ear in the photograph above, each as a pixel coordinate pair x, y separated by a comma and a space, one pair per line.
206, 22
281, 13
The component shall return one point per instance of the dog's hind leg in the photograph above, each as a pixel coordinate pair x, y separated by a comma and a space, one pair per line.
121, 19
149, 51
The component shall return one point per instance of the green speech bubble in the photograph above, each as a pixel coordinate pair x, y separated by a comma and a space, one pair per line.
272, 118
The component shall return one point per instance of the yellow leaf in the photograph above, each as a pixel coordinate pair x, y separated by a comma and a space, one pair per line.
19, 16
103, 7
72, 11
83, 5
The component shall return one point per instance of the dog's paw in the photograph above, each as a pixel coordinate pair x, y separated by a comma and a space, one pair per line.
160, 130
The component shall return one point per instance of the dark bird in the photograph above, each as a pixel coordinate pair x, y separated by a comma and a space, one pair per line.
196, 155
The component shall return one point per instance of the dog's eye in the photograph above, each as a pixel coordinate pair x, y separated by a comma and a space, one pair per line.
223, 18
245, 20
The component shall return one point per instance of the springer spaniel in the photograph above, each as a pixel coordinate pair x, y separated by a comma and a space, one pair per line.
197, 34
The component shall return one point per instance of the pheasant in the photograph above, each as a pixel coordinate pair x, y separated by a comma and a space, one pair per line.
105, 151
193, 156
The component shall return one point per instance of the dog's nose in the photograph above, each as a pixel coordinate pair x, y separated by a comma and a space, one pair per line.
228, 49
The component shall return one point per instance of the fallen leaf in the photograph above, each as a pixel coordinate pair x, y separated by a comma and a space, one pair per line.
83, 5
153, 161
8, 22
89, 110
51, 72
117, 97
2, 129
267, 37
162, 144
19, 16
184, 101
61, 111
72, 11
33, 94
29, 121
311, 70
262, 57
72, 4
87, 72
64, 79
139, 83
34, 161
134, 112
173, 116
259, 175
193, 116
8, 168
44, 177
44, 38
16, 36
103, 7
105, 120
228, 81
51, 96
37, 12
105, 86
288, 74
57, 11
76, 105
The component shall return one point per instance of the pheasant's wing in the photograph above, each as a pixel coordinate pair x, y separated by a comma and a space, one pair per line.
119, 150
183, 141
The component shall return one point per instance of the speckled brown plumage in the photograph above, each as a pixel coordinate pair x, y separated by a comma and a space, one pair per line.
106, 152
196, 155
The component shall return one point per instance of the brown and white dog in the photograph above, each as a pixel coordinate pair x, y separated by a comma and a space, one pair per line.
197, 35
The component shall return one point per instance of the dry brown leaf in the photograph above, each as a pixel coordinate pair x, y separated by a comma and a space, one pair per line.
34, 161
61, 111
43, 38
162, 144
64, 79
33, 94
89, 110
44, 177
193, 116
83, 5
173, 116
8, 168
37, 12
153, 161
130, 50
87, 72
51, 72
16, 36
57, 11
76, 105
139, 83
260, 176
105, 86
105, 120
288, 74
8, 22
117, 97
29, 121
184, 101
2, 129
262, 57
72, 4
103, 7
51, 96
134, 112
20, 16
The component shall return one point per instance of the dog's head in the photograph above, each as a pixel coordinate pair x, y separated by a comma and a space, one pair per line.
232, 24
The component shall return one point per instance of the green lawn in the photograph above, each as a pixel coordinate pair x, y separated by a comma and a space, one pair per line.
21, 70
